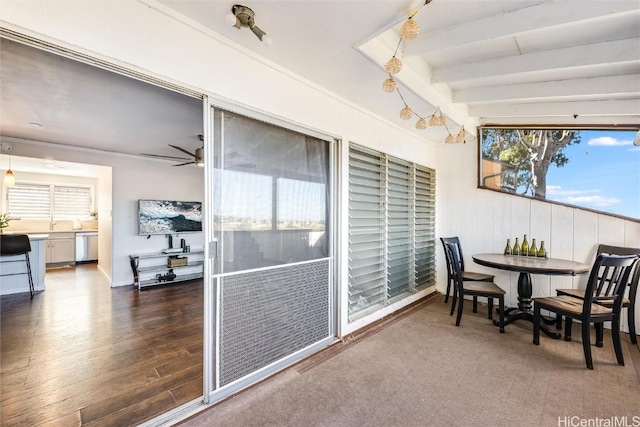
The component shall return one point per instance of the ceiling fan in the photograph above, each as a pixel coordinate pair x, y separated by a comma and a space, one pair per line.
197, 158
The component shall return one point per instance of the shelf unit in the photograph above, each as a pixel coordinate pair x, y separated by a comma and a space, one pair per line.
153, 274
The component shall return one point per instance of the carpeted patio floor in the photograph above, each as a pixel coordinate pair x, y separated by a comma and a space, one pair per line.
419, 369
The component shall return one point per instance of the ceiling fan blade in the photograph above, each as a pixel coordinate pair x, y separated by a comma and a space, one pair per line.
159, 156
183, 150
243, 165
182, 164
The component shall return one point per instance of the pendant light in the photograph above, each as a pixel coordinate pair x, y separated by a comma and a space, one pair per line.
9, 178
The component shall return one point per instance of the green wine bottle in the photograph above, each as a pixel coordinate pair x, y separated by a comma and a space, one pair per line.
542, 253
507, 249
533, 251
524, 249
516, 248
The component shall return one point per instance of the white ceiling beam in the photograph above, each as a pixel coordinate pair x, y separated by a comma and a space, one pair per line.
618, 51
596, 86
580, 108
534, 18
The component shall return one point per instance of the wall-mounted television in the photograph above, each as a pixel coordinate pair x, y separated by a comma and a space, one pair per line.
168, 216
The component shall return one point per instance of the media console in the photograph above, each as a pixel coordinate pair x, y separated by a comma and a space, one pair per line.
177, 267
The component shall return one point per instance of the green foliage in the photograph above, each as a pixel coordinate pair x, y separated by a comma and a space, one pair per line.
530, 152
4, 220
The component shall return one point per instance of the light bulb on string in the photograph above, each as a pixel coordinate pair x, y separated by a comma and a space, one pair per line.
406, 113
394, 65
409, 29
422, 123
389, 85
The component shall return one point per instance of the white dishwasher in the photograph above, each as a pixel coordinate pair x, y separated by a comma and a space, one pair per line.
87, 246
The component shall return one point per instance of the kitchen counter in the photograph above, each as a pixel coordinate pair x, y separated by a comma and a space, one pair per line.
37, 258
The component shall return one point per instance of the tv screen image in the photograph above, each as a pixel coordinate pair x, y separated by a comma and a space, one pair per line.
168, 216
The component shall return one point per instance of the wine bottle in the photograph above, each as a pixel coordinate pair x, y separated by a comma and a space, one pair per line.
516, 248
542, 253
507, 249
533, 250
524, 249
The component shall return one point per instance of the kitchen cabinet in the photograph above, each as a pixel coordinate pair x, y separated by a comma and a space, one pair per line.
61, 248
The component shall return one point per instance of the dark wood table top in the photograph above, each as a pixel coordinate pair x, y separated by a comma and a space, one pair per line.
525, 264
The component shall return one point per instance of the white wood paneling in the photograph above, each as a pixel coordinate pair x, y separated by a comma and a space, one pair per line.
540, 231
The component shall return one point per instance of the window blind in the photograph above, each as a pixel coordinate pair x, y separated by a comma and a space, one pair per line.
71, 202
29, 201
391, 229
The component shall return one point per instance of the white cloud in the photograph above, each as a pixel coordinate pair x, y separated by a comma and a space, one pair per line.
609, 141
589, 198
556, 190
593, 201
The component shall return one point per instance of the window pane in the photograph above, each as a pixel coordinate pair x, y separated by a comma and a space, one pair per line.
593, 169
273, 184
367, 264
399, 223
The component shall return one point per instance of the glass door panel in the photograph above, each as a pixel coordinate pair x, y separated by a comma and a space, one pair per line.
271, 203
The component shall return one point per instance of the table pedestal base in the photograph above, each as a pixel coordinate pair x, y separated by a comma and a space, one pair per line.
525, 308
513, 314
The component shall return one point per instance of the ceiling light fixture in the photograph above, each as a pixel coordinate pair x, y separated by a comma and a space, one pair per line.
9, 178
409, 30
243, 16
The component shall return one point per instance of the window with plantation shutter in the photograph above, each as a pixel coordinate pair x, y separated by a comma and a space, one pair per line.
71, 202
44, 201
391, 229
29, 201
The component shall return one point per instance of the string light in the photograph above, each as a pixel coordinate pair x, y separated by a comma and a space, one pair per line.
408, 31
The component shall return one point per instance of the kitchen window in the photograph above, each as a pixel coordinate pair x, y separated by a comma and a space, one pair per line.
40, 201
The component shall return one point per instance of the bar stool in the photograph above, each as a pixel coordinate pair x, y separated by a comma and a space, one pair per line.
17, 244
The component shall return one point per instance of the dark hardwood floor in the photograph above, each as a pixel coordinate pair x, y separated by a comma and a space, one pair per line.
81, 353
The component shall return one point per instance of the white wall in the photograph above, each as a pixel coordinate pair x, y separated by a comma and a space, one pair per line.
132, 179
484, 219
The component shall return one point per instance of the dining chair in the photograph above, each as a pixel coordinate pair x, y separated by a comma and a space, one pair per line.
466, 275
629, 301
17, 244
601, 303
462, 287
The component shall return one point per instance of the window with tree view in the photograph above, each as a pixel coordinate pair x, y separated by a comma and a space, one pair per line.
594, 169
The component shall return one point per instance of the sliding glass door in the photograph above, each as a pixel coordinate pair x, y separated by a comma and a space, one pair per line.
271, 255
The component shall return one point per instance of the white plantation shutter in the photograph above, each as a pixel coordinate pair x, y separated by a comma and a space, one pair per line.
29, 201
41, 201
71, 202
391, 229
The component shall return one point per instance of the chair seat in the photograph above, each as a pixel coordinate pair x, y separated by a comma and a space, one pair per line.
568, 304
472, 275
579, 293
482, 288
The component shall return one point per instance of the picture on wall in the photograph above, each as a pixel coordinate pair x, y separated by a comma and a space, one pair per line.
168, 216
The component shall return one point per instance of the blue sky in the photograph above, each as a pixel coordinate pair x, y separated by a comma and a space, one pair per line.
603, 173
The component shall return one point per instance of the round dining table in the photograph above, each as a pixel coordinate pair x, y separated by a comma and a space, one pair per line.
526, 266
